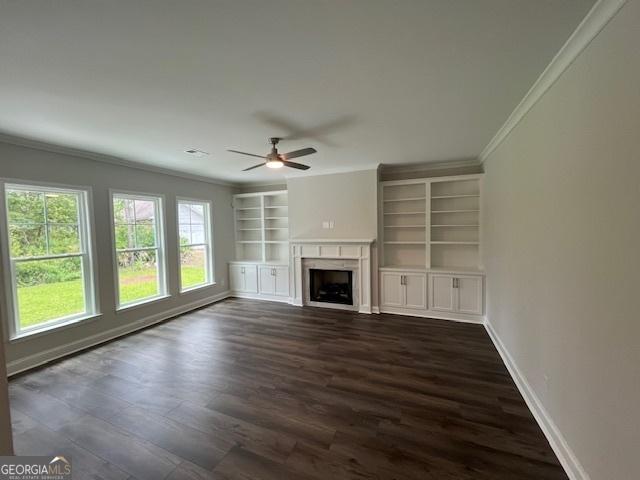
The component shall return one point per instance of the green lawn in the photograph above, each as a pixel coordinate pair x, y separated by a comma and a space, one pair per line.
54, 300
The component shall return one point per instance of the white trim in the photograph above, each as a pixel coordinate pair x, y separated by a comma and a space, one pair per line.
448, 178
31, 361
333, 171
597, 18
208, 229
141, 303
99, 157
55, 327
260, 296
558, 443
367, 241
196, 288
87, 255
260, 194
426, 167
159, 202
449, 317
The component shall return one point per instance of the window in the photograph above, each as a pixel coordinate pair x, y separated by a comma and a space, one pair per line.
49, 256
137, 223
194, 232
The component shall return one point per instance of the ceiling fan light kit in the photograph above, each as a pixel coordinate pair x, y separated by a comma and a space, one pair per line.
274, 164
278, 160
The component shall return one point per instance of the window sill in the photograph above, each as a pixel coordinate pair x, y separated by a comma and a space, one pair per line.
198, 287
20, 337
142, 303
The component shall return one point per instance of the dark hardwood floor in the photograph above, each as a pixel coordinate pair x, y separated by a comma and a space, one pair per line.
256, 390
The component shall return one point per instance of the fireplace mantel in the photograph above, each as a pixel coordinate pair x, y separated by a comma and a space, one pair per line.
333, 249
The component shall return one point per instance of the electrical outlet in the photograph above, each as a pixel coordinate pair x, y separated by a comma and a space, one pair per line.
325, 224
332, 224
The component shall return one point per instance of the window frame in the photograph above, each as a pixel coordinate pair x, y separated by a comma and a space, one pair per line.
161, 234
208, 230
86, 229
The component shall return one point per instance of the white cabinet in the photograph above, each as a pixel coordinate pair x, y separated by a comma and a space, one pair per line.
392, 289
282, 281
405, 290
274, 280
259, 280
442, 293
415, 290
243, 278
456, 293
469, 295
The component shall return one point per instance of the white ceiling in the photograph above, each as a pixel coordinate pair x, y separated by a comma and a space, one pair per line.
387, 81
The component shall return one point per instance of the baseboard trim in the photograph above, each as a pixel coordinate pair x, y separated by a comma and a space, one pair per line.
431, 314
558, 443
598, 17
258, 296
26, 363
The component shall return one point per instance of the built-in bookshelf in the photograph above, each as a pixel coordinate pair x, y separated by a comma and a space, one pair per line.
432, 223
262, 227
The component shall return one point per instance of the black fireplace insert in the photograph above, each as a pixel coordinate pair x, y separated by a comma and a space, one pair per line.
331, 286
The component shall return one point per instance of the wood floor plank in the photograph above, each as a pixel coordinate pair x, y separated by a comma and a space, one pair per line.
203, 449
42, 441
117, 447
243, 389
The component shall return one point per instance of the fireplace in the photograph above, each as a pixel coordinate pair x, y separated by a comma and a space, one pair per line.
348, 257
331, 286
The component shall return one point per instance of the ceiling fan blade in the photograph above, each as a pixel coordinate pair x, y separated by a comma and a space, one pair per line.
298, 153
255, 166
291, 129
299, 166
245, 153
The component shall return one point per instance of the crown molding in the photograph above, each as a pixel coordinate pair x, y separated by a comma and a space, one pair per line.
598, 17
99, 157
332, 171
428, 166
265, 183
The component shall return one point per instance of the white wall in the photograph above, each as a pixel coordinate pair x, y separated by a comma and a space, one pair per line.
22, 163
562, 250
349, 199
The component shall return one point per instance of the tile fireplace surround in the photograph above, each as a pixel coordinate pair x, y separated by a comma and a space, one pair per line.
341, 254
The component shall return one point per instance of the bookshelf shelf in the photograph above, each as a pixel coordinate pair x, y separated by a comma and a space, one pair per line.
262, 237
434, 222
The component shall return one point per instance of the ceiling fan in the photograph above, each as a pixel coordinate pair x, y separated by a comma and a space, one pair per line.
279, 160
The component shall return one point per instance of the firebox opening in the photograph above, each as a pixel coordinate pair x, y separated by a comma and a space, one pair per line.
331, 286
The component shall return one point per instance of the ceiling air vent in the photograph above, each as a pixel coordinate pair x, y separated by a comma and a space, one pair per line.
196, 153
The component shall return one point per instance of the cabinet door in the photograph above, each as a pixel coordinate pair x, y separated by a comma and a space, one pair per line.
442, 293
392, 289
236, 278
415, 286
282, 281
267, 280
251, 278
470, 295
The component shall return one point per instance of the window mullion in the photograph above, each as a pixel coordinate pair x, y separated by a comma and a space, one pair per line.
46, 222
